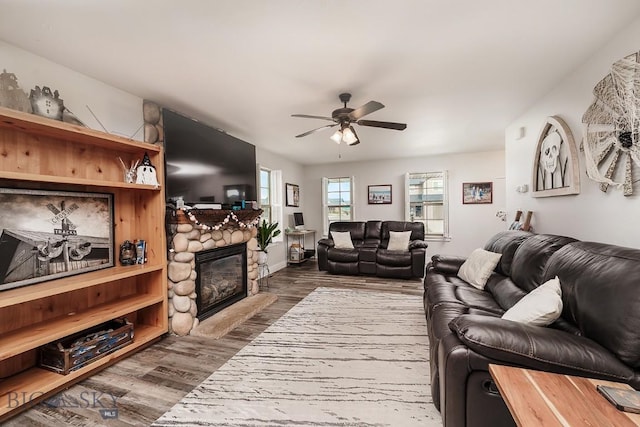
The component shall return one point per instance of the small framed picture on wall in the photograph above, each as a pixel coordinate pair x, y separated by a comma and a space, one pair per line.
477, 193
379, 194
293, 195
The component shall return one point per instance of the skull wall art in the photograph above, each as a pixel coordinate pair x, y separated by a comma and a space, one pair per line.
555, 168
551, 145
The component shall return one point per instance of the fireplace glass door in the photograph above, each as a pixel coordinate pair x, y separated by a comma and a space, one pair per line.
221, 278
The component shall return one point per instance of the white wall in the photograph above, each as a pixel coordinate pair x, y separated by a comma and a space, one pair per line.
592, 215
119, 111
291, 173
470, 225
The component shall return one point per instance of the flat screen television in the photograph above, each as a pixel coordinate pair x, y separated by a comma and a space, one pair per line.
204, 165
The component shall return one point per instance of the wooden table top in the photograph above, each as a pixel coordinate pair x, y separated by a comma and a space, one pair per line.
537, 398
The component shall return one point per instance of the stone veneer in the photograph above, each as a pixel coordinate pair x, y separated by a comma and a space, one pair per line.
184, 241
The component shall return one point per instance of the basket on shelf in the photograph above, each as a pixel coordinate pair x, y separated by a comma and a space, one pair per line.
77, 350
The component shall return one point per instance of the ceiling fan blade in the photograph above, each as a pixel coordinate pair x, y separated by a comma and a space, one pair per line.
367, 108
315, 130
386, 125
306, 116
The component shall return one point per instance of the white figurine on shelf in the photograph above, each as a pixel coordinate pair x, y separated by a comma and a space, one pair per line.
146, 172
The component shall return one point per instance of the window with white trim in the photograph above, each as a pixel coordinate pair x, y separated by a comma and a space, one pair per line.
270, 184
265, 193
427, 202
337, 197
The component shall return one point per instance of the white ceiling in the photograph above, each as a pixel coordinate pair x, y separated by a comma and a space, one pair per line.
456, 71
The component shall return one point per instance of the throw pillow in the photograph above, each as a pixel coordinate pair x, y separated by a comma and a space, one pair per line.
478, 267
399, 240
542, 306
342, 239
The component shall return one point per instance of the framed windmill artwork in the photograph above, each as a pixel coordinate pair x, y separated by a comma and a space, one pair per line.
46, 235
555, 166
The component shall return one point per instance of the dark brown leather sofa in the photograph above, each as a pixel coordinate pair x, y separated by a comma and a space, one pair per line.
597, 335
370, 254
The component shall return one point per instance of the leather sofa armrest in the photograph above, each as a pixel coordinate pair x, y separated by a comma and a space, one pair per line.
326, 242
447, 264
417, 244
418, 258
371, 243
537, 347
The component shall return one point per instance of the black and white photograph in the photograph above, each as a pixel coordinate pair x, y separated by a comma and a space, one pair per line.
46, 235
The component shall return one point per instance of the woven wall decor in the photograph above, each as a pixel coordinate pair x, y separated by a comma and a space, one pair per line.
611, 127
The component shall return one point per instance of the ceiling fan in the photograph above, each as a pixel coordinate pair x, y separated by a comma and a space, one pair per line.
345, 117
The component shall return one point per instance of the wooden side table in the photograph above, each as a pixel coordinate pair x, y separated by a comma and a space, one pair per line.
298, 238
537, 398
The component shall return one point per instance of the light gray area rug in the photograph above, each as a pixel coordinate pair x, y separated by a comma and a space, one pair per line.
338, 358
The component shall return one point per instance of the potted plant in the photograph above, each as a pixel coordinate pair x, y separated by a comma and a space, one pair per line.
266, 233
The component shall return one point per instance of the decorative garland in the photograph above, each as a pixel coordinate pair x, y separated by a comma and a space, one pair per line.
230, 217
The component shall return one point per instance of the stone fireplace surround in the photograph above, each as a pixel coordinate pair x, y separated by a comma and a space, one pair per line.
186, 237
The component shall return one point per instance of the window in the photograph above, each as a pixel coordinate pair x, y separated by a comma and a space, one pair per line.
271, 198
427, 202
337, 200
265, 193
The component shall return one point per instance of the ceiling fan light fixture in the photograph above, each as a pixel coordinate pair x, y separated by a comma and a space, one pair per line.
337, 136
345, 116
349, 136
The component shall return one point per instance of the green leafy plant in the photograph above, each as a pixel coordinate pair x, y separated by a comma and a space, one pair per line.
266, 233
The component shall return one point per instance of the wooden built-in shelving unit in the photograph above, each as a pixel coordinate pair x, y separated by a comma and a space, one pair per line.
38, 153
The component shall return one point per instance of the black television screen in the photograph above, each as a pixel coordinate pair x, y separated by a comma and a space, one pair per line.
206, 165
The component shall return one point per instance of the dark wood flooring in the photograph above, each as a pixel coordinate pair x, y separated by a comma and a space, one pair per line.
147, 384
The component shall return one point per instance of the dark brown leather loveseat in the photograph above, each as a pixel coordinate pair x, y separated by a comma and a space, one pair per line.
597, 335
370, 254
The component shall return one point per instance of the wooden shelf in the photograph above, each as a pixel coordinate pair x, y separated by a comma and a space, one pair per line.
39, 382
72, 283
35, 335
44, 153
37, 125
74, 181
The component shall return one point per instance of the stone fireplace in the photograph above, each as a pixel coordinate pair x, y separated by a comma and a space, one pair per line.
196, 231
195, 236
